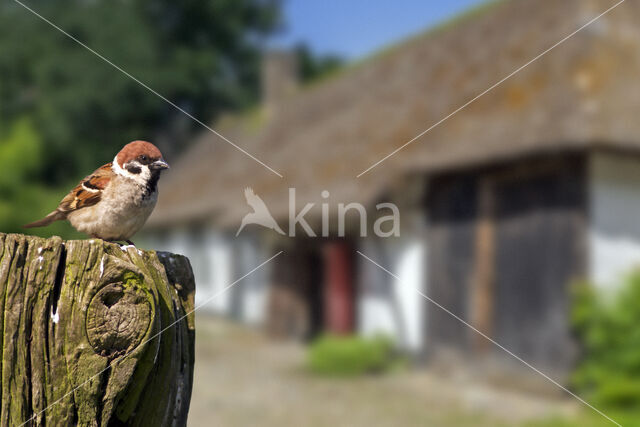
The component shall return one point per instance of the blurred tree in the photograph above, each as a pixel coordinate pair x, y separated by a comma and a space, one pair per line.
202, 55
22, 194
312, 66
64, 111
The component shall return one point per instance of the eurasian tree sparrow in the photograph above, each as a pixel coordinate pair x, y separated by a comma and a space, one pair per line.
114, 202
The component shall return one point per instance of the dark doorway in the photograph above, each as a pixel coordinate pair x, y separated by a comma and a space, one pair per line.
296, 303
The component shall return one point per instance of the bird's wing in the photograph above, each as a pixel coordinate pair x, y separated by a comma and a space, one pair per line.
88, 192
253, 200
248, 193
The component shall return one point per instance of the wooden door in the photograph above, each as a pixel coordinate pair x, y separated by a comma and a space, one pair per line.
339, 288
539, 227
504, 244
452, 209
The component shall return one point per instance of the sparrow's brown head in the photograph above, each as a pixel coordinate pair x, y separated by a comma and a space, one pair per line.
141, 161
141, 151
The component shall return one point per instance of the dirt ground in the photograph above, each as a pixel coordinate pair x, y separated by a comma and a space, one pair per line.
242, 378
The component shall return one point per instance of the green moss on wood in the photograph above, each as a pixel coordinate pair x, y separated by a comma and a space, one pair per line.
147, 378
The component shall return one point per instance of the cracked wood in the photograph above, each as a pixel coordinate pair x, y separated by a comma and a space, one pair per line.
70, 310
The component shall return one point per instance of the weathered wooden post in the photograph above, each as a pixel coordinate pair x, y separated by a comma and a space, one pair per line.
91, 336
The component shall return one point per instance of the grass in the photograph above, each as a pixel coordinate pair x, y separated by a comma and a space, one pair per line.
350, 355
589, 418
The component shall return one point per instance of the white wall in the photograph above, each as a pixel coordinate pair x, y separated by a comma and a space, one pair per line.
218, 256
389, 306
614, 211
254, 289
210, 254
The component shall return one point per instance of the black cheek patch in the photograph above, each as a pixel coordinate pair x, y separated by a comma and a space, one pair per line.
133, 169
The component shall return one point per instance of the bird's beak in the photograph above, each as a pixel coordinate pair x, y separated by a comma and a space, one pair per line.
159, 165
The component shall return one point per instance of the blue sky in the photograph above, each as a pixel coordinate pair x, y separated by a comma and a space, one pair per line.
357, 28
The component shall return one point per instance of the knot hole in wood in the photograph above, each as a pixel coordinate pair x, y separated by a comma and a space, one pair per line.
119, 316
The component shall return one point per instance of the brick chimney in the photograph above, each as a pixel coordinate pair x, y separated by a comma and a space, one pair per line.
279, 77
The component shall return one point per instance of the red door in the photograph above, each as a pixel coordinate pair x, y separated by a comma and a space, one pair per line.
339, 288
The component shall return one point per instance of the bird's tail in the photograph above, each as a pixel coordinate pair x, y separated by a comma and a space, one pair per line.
241, 226
53, 216
278, 229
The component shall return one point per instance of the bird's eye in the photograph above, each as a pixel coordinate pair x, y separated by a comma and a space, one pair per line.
143, 158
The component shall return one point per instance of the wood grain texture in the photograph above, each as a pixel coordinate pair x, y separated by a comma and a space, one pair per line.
81, 341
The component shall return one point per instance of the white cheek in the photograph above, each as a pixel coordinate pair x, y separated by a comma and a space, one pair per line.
142, 178
116, 167
145, 175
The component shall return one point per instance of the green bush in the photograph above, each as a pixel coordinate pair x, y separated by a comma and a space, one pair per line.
350, 355
23, 197
608, 327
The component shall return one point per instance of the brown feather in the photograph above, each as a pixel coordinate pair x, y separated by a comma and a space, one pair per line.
87, 193
53, 216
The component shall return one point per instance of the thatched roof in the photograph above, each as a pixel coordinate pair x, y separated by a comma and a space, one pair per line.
582, 94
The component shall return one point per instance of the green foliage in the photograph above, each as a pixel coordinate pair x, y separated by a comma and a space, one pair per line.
589, 418
608, 328
22, 197
203, 56
21, 154
65, 112
349, 356
313, 67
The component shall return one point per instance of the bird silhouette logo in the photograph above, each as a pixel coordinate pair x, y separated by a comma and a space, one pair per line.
260, 214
